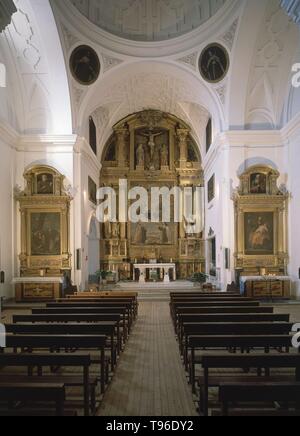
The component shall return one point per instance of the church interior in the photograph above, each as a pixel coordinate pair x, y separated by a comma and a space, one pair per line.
150, 204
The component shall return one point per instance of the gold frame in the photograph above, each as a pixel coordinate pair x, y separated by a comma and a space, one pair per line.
30, 203
274, 202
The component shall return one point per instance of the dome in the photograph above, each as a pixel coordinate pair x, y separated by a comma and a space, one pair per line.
148, 20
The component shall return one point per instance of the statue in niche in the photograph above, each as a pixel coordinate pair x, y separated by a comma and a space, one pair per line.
140, 234
116, 230
165, 233
107, 229
155, 163
164, 156
140, 155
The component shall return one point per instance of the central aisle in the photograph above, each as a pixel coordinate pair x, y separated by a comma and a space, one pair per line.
150, 379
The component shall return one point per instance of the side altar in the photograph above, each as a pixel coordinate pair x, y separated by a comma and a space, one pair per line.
44, 235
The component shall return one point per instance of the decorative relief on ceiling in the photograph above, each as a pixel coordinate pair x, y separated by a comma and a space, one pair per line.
78, 93
265, 75
221, 91
110, 62
229, 36
69, 38
26, 47
148, 20
190, 60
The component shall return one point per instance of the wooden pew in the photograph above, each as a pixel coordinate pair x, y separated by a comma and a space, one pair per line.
74, 318
108, 329
258, 393
223, 342
96, 296
201, 293
78, 342
229, 328
176, 304
243, 362
218, 310
34, 392
40, 361
104, 303
125, 319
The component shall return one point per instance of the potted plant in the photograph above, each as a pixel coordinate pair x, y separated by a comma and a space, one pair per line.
102, 276
199, 278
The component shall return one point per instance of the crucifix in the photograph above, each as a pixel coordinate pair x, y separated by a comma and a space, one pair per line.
151, 135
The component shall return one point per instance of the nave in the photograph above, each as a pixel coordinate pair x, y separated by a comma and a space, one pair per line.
149, 378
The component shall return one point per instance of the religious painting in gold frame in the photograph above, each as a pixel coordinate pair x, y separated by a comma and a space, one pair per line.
45, 233
259, 233
260, 223
45, 225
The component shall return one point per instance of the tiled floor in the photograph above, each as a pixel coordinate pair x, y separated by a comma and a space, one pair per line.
150, 380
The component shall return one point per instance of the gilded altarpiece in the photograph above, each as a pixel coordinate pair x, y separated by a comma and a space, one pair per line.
151, 149
260, 224
45, 218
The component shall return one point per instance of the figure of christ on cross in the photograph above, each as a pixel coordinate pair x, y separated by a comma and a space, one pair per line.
151, 135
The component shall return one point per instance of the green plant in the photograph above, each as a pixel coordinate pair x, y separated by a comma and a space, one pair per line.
199, 278
102, 274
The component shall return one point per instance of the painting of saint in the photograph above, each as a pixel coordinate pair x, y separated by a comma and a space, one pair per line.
85, 65
258, 184
45, 234
45, 185
214, 63
259, 233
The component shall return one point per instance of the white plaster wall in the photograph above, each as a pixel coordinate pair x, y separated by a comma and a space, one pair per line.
7, 217
293, 158
86, 165
231, 154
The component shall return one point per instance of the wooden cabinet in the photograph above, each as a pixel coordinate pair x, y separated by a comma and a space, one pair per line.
268, 289
35, 292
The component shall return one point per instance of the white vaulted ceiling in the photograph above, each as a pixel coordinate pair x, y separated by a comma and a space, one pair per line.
148, 20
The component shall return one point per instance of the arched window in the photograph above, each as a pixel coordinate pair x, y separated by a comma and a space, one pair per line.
93, 135
208, 135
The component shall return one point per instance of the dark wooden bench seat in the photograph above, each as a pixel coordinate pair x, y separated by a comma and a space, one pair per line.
257, 393
199, 329
125, 319
69, 381
231, 318
91, 300
41, 361
34, 393
260, 362
109, 329
219, 311
56, 343
104, 303
200, 304
244, 343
